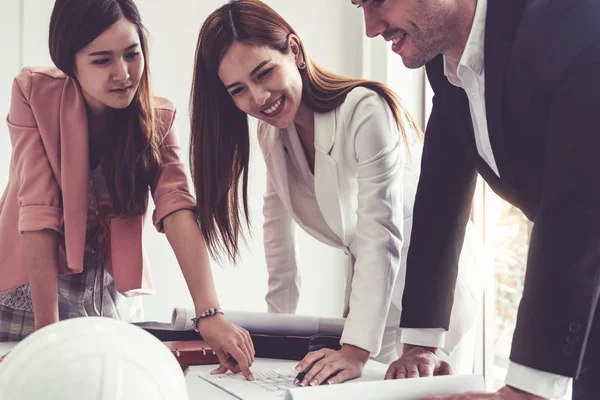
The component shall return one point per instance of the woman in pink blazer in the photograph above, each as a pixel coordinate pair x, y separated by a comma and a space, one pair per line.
89, 140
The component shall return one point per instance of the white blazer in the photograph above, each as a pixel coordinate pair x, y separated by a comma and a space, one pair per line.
365, 186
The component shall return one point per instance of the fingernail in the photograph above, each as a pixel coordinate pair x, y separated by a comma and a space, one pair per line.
251, 377
304, 383
314, 383
298, 368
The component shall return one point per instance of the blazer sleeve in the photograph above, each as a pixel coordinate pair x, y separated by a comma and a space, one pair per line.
440, 215
284, 278
39, 195
378, 148
562, 282
171, 189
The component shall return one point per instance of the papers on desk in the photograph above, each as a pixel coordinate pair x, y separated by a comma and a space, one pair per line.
269, 384
273, 379
400, 389
267, 323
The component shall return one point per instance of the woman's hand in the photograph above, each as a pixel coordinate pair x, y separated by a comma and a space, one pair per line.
231, 343
333, 366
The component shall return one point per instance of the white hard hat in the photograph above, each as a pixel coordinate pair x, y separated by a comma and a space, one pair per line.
91, 358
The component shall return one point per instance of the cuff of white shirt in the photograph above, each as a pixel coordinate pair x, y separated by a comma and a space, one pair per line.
534, 381
428, 337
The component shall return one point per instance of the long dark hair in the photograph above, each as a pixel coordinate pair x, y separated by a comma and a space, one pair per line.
131, 163
219, 149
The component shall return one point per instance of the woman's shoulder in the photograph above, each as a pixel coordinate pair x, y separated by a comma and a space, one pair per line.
163, 104
31, 80
362, 96
44, 73
363, 103
165, 112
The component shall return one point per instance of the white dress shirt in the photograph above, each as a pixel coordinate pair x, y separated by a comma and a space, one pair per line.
469, 74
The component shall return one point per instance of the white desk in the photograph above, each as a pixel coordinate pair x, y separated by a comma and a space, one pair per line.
200, 389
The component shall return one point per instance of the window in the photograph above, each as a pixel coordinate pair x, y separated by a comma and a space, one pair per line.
506, 232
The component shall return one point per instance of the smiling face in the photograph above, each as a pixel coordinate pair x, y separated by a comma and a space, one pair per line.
419, 30
263, 82
110, 67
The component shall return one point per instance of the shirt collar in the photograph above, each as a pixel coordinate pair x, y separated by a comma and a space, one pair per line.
473, 55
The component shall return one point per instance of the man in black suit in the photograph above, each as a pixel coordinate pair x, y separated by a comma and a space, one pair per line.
517, 100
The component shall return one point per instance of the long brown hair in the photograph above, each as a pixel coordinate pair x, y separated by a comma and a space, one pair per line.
131, 157
219, 149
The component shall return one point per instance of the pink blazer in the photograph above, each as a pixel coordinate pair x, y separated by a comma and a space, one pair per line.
48, 182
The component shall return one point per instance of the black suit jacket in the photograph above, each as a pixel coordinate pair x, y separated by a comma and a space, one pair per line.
542, 86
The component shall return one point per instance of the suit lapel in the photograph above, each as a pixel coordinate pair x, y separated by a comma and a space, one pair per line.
327, 187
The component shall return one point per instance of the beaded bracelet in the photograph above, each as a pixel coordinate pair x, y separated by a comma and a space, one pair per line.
204, 314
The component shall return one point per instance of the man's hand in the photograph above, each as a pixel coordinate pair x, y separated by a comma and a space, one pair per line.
417, 361
506, 393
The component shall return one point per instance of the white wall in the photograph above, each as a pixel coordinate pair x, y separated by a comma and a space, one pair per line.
333, 34
10, 49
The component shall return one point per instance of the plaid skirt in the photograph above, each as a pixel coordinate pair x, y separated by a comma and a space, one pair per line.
89, 293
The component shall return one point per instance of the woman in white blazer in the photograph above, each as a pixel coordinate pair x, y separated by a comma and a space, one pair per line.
338, 164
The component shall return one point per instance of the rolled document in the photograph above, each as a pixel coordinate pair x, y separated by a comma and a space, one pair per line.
181, 319
267, 323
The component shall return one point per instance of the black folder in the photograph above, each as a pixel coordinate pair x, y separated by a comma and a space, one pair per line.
267, 346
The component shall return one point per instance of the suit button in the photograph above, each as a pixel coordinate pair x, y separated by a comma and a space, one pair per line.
568, 349
572, 339
574, 327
